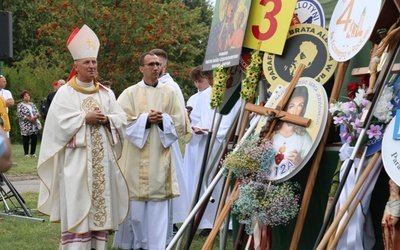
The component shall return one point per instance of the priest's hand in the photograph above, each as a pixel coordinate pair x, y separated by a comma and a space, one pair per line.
155, 116
198, 130
96, 117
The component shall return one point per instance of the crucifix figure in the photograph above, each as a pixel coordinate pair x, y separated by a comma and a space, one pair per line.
286, 121
286, 128
378, 50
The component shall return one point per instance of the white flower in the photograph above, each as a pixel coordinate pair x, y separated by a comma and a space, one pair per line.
335, 107
359, 96
384, 106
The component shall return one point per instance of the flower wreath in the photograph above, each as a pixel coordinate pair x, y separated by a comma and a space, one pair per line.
272, 204
260, 199
253, 72
348, 116
221, 76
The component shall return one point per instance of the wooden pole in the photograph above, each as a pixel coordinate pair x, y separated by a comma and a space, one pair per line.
342, 68
370, 181
378, 88
349, 200
224, 212
218, 222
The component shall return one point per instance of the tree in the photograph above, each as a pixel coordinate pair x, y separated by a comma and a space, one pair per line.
126, 29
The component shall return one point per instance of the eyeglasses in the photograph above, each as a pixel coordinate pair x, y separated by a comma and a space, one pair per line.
152, 64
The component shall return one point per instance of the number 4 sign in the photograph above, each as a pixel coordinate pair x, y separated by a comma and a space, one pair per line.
351, 26
268, 25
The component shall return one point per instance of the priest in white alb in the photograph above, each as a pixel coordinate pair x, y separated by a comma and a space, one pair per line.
156, 120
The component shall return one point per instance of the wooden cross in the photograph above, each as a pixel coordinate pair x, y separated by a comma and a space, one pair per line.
282, 115
278, 113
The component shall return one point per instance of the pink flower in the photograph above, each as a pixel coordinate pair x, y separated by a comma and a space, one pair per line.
356, 125
374, 131
338, 119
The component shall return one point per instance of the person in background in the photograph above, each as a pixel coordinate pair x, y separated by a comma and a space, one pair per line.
156, 120
201, 116
6, 94
165, 77
82, 186
5, 151
180, 204
5, 120
106, 84
56, 86
8, 98
28, 116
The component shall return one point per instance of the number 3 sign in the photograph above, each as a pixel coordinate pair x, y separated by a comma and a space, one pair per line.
268, 24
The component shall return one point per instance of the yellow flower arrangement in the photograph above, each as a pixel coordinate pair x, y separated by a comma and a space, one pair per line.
253, 72
221, 76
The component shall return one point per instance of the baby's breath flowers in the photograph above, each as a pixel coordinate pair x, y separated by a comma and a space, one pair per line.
253, 72
259, 199
250, 157
221, 76
271, 204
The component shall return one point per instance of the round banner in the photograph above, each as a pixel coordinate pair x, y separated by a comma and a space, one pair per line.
351, 25
391, 153
306, 44
310, 11
294, 144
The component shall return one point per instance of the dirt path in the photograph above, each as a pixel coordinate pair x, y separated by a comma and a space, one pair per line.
22, 186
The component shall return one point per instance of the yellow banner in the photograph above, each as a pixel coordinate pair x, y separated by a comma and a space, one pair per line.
268, 25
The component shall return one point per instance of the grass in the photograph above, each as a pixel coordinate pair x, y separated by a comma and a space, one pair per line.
24, 233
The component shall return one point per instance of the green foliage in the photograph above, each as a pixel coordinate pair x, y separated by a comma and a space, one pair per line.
16, 234
34, 73
24, 168
29, 234
126, 29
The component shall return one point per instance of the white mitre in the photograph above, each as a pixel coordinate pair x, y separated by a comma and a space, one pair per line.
83, 43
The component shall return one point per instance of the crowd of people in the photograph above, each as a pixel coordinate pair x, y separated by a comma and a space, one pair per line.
114, 164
